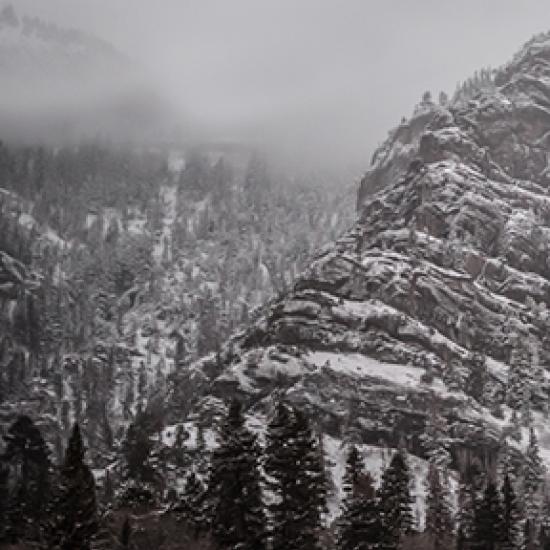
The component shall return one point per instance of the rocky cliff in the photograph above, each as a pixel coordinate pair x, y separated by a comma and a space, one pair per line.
437, 297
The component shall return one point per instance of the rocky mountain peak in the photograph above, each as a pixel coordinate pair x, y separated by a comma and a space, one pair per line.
437, 298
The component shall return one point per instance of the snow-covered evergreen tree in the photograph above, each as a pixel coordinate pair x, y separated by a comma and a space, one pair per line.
533, 472
465, 515
396, 501
512, 524
439, 522
296, 478
359, 526
488, 531
237, 514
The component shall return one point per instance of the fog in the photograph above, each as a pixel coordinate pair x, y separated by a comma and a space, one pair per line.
318, 80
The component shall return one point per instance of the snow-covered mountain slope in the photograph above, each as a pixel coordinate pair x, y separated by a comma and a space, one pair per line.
437, 298
108, 290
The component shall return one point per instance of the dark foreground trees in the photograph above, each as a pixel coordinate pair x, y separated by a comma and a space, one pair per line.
254, 499
73, 519
237, 510
296, 477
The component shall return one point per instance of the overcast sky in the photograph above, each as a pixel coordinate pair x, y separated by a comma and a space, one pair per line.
330, 77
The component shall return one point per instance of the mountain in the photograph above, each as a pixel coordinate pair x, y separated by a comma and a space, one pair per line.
141, 290
434, 302
61, 84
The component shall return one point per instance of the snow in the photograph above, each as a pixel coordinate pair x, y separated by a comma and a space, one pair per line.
375, 461
29, 222
168, 436
357, 365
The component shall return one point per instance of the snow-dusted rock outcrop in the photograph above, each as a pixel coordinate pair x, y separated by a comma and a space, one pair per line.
446, 269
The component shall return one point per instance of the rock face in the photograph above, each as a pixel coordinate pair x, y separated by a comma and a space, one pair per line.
445, 271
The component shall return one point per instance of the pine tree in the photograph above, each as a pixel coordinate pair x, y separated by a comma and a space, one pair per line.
395, 501
359, 526
73, 518
28, 456
465, 516
297, 480
439, 524
488, 530
511, 519
237, 510
533, 472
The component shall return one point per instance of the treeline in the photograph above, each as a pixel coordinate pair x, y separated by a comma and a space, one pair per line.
64, 184
248, 496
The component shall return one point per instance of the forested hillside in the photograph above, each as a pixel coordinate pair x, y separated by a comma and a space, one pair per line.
118, 269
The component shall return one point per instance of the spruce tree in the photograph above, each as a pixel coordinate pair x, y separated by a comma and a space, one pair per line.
396, 501
511, 518
28, 457
359, 526
465, 516
296, 478
237, 510
439, 524
488, 531
314, 486
73, 518
533, 472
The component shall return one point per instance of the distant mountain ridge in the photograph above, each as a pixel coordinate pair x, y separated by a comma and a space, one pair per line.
64, 84
34, 27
